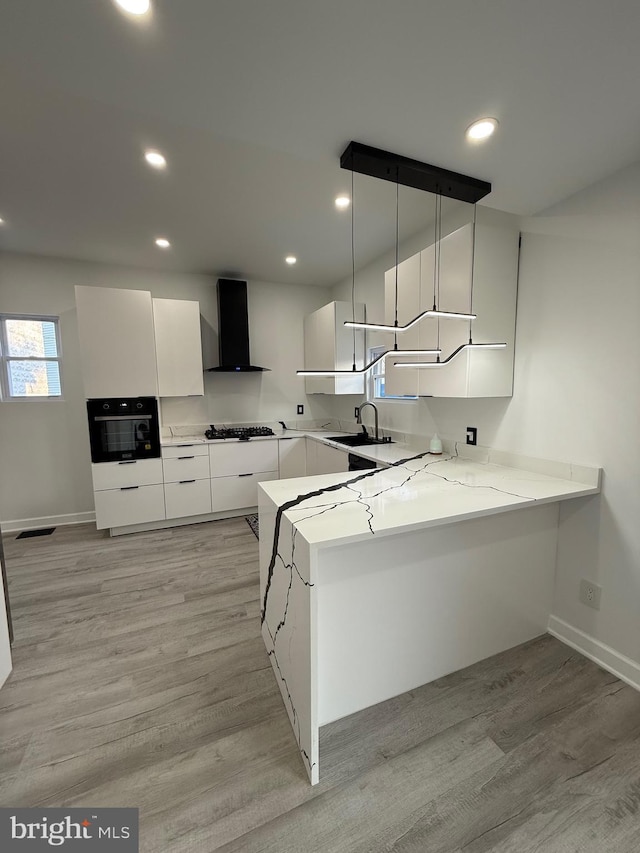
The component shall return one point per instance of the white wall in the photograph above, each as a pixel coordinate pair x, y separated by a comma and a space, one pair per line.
44, 446
576, 390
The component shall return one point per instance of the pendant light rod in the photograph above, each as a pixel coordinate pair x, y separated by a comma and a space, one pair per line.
353, 273
449, 358
412, 173
395, 352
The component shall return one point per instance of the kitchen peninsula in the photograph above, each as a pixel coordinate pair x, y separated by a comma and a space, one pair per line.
375, 583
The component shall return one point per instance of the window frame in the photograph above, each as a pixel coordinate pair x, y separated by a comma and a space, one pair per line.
376, 373
5, 359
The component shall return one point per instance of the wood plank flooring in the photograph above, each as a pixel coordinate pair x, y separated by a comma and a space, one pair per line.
141, 680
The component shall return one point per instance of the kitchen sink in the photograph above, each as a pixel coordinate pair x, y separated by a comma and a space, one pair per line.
359, 440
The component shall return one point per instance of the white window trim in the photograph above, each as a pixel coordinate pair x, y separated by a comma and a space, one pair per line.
376, 373
5, 395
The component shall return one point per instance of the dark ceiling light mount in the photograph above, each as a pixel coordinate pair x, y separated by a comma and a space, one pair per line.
412, 173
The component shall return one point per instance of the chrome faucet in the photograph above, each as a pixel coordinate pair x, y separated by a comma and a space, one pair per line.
375, 412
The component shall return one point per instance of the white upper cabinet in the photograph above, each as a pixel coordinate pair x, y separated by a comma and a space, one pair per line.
328, 345
178, 347
402, 382
473, 373
117, 345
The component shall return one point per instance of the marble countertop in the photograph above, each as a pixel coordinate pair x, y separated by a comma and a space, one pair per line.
421, 490
320, 435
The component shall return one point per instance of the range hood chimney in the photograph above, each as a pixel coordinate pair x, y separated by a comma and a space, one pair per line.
233, 328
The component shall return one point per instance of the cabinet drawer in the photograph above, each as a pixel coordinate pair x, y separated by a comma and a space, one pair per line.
187, 498
186, 468
174, 451
239, 492
132, 505
116, 475
243, 457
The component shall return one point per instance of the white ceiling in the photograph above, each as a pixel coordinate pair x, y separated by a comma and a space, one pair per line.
252, 101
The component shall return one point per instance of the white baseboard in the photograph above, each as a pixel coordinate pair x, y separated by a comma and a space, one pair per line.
20, 524
617, 664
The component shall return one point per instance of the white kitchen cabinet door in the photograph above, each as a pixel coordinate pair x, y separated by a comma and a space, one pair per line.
239, 491
292, 457
187, 497
134, 472
400, 383
178, 347
129, 505
117, 344
185, 468
322, 459
175, 451
243, 457
328, 345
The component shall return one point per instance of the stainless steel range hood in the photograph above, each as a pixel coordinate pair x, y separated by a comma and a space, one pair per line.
233, 329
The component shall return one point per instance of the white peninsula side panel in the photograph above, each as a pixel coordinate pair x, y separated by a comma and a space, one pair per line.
288, 617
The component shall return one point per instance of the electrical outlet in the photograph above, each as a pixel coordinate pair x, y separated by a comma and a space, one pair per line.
300, 409
472, 435
356, 412
590, 594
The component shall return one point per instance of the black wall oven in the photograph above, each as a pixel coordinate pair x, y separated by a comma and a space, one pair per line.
123, 428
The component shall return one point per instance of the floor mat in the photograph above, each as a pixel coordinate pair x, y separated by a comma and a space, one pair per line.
43, 531
252, 521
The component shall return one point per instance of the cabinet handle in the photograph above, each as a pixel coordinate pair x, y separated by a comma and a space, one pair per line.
128, 488
184, 445
186, 481
186, 457
245, 475
128, 462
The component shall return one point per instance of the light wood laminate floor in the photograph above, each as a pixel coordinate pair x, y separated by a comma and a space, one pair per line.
141, 680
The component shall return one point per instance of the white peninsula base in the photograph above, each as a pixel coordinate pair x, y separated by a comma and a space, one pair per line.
377, 585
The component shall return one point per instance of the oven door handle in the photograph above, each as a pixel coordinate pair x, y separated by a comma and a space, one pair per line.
122, 417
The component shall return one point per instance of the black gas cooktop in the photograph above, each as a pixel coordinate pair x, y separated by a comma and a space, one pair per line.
243, 433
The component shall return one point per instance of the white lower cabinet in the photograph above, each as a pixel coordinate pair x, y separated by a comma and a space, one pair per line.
129, 505
116, 475
187, 497
292, 457
187, 489
322, 459
128, 492
243, 457
237, 492
236, 470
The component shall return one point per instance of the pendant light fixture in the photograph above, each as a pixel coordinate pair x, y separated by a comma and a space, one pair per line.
450, 358
355, 371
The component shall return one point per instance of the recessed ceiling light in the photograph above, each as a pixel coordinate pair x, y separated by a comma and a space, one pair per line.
481, 129
134, 7
291, 260
1, 221
155, 158
342, 202
162, 243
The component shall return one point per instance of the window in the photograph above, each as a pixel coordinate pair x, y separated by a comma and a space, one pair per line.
376, 377
30, 357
